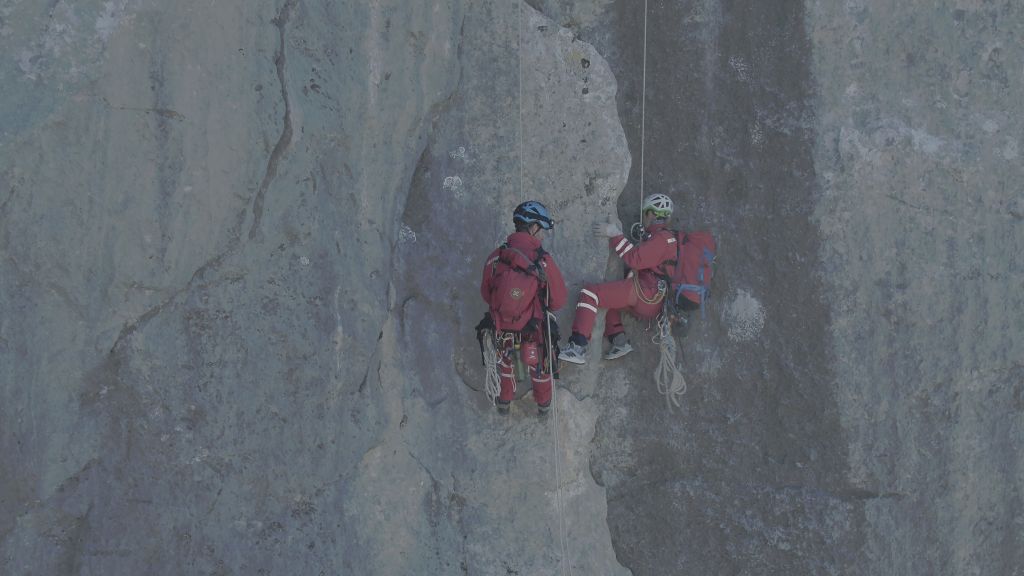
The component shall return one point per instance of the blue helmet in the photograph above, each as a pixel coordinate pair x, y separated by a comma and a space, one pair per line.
533, 212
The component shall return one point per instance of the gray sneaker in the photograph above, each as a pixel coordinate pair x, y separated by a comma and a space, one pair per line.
620, 347
574, 353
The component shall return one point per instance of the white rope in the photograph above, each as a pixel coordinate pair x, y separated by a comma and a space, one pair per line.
492, 383
643, 118
558, 472
522, 161
558, 475
566, 565
667, 375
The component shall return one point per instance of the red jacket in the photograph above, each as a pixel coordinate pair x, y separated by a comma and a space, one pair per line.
647, 258
555, 285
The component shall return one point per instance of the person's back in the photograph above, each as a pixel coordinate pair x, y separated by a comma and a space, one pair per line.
521, 283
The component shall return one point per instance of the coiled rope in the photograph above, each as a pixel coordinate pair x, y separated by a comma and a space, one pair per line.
658, 296
492, 383
493, 342
667, 375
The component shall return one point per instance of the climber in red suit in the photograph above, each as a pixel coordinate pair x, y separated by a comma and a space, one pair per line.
511, 273
640, 293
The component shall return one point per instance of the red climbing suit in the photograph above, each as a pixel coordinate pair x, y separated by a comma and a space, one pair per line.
555, 292
644, 259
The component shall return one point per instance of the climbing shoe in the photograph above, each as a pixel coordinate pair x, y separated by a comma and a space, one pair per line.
543, 409
502, 407
574, 353
620, 347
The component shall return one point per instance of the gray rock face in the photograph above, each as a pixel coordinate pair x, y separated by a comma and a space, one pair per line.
197, 246
748, 477
856, 383
241, 243
921, 210
497, 479
230, 353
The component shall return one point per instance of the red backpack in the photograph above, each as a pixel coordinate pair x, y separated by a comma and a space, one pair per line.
514, 288
691, 278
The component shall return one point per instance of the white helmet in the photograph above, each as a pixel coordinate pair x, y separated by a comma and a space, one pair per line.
660, 204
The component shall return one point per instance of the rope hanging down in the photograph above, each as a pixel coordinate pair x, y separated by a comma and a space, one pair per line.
522, 158
566, 566
558, 472
667, 375
643, 111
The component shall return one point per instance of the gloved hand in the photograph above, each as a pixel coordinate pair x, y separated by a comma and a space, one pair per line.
607, 229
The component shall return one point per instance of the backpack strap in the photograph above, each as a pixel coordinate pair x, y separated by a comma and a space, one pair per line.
663, 273
702, 292
536, 268
494, 261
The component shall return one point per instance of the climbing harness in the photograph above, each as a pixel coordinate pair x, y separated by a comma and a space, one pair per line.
509, 351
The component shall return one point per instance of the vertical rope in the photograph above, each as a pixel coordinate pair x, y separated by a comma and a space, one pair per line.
558, 473
522, 160
564, 562
643, 111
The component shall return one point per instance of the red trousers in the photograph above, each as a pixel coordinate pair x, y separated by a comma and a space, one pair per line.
540, 376
615, 297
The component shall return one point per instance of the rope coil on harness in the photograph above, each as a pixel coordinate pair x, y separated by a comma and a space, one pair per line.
494, 346
662, 288
492, 383
667, 375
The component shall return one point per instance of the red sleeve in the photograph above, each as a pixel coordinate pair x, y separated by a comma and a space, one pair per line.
647, 254
557, 293
488, 277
